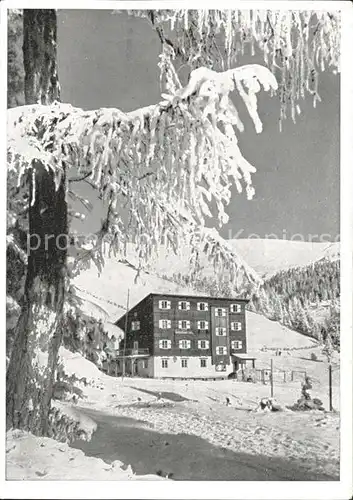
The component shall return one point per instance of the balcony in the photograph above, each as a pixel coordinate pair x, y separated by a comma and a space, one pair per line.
141, 352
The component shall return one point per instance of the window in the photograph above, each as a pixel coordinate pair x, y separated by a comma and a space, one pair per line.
145, 363
184, 344
183, 305
164, 304
221, 312
203, 363
184, 324
202, 325
237, 344
136, 345
203, 344
221, 331
235, 325
184, 363
135, 325
221, 350
165, 344
235, 308
202, 306
164, 363
165, 323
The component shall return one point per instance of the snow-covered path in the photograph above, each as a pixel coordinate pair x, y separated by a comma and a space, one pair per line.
186, 455
171, 433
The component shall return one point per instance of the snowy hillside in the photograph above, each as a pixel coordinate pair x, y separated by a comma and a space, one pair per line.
265, 256
109, 290
268, 256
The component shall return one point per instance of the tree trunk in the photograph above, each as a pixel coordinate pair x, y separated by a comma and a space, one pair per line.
39, 56
34, 357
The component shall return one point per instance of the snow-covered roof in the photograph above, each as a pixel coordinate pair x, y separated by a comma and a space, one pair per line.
112, 329
243, 356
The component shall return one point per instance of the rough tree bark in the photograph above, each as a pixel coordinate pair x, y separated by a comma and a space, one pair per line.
33, 362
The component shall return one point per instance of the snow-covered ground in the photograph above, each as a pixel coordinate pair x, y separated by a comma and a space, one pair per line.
37, 458
184, 430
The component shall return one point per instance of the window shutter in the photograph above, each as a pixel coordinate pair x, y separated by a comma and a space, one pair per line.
198, 306
206, 306
188, 306
188, 343
168, 304
180, 324
188, 324
238, 326
169, 323
169, 342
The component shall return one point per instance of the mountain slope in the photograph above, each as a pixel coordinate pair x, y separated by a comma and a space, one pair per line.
265, 256
268, 256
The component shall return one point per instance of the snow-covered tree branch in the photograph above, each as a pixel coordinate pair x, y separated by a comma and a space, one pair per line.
295, 45
168, 162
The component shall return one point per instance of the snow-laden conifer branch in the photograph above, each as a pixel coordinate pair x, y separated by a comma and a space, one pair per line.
165, 163
295, 45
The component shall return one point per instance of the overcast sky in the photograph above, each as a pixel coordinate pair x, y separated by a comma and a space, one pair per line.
110, 60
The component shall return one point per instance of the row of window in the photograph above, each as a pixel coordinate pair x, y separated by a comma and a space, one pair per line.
201, 344
184, 363
184, 305
201, 325
186, 325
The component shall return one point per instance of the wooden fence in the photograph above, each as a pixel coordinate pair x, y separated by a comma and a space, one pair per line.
264, 375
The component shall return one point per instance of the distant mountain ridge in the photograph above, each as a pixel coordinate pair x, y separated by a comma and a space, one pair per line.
265, 256
268, 256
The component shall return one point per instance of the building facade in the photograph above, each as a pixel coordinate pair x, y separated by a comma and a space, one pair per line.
183, 336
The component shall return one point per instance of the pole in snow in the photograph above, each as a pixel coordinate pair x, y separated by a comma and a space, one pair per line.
125, 328
330, 385
271, 378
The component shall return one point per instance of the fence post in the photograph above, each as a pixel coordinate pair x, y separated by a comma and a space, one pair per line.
271, 377
330, 385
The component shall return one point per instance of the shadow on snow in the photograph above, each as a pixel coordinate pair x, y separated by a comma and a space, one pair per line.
182, 456
172, 396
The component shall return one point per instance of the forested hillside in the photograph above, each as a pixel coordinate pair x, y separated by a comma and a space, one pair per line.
306, 299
